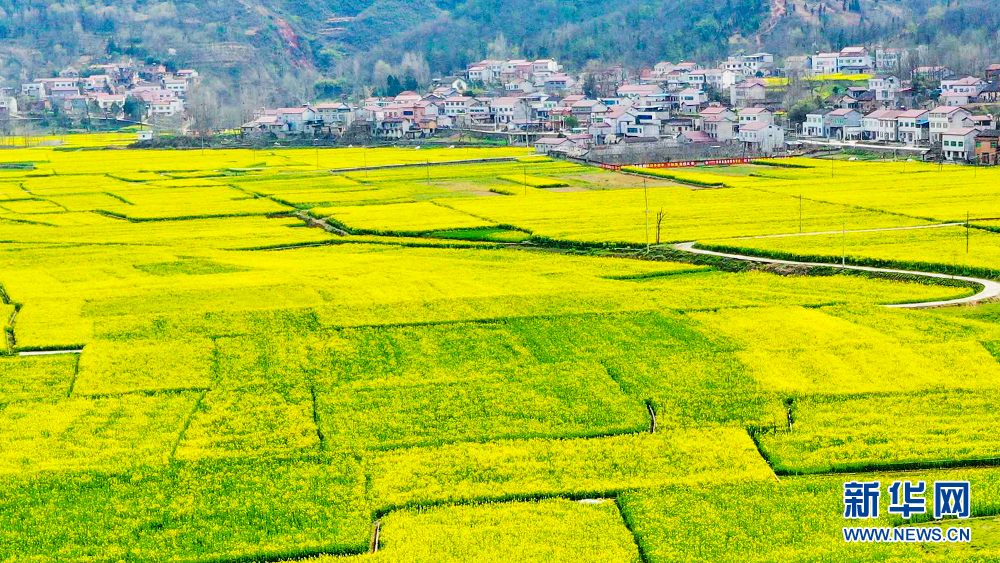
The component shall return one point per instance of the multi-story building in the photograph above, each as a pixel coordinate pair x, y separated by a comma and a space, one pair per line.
943, 118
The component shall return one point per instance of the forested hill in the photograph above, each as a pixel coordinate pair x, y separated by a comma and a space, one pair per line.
286, 46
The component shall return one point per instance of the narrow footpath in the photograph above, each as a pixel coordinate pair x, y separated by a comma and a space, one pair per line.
991, 289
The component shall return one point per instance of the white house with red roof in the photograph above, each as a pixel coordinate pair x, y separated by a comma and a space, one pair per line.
881, 125
755, 115
762, 137
958, 143
943, 118
913, 126
962, 91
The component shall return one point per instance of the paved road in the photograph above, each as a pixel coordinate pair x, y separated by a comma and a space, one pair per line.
991, 289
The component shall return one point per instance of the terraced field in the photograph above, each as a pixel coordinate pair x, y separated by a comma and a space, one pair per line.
476, 361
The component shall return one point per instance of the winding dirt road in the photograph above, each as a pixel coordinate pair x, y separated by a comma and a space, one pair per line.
991, 289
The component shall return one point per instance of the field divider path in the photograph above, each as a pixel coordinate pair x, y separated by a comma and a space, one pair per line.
820, 233
990, 288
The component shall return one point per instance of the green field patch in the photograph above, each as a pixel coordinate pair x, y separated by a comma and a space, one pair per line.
31, 206
35, 379
534, 181
885, 432
401, 217
555, 531
491, 234
259, 509
797, 519
798, 351
187, 266
80, 434
576, 468
108, 367
561, 400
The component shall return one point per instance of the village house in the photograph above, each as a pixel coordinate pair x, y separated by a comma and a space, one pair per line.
880, 125
166, 108
962, 91
691, 99
335, 117
299, 119
756, 115
748, 93
266, 124
457, 106
889, 59
178, 86
943, 118
844, 124
958, 143
715, 110
511, 111
913, 126
990, 93
859, 99
816, 124
108, 101
762, 137
674, 126
722, 127
559, 82
986, 147
854, 60
985, 121
824, 63
8, 106
884, 87
936, 72
719, 79
588, 111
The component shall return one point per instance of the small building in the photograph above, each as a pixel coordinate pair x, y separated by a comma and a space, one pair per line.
962, 91
943, 118
844, 123
884, 87
713, 111
990, 93
913, 126
756, 115
690, 99
958, 143
145, 135
748, 93
881, 125
986, 147
816, 124
722, 128
762, 137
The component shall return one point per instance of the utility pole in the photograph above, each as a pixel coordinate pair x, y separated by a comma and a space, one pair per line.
645, 195
843, 256
966, 232
800, 213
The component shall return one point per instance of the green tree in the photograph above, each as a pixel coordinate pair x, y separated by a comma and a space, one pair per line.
590, 85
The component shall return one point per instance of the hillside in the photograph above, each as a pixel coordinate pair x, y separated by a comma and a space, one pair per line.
276, 50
